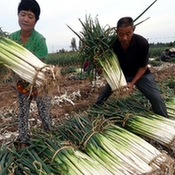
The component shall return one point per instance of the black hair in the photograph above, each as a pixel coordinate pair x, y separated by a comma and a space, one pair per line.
125, 22
30, 5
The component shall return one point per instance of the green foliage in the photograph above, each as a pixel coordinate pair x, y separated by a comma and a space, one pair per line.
64, 59
156, 51
155, 62
172, 60
67, 70
170, 83
96, 41
80, 76
77, 74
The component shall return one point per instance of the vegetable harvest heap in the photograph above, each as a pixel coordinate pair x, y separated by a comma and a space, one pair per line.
104, 140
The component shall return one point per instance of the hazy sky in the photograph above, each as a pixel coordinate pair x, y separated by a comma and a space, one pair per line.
55, 14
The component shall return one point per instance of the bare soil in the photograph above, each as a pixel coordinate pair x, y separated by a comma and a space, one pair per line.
80, 95
73, 96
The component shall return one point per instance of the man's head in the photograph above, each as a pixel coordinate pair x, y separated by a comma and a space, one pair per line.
125, 22
30, 5
125, 29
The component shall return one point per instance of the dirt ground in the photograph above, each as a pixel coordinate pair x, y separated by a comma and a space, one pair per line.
73, 96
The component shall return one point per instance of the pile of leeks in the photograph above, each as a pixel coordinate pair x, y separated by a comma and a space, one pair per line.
134, 114
82, 146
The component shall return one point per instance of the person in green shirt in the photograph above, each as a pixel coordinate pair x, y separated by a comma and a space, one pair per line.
27, 36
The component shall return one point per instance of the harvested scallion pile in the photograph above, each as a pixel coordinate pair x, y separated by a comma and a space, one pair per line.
86, 147
117, 149
133, 116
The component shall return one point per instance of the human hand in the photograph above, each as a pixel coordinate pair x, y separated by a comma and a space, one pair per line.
23, 145
99, 70
130, 86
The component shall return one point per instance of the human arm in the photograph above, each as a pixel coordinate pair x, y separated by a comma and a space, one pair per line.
138, 75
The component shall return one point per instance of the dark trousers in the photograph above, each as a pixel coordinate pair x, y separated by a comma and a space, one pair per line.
148, 87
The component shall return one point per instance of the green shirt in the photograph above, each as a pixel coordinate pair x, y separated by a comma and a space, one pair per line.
36, 43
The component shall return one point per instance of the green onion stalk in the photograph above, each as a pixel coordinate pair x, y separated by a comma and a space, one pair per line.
27, 66
170, 105
77, 130
84, 146
118, 162
6, 160
24, 161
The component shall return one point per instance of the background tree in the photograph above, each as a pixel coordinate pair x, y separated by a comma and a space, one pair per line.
73, 45
80, 44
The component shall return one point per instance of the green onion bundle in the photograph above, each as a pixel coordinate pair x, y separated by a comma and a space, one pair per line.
96, 49
72, 161
47, 156
120, 151
27, 65
132, 144
136, 118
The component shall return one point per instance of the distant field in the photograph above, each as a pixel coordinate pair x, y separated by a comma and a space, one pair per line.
157, 51
71, 60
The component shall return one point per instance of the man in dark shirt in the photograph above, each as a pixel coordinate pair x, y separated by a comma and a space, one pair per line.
132, 52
